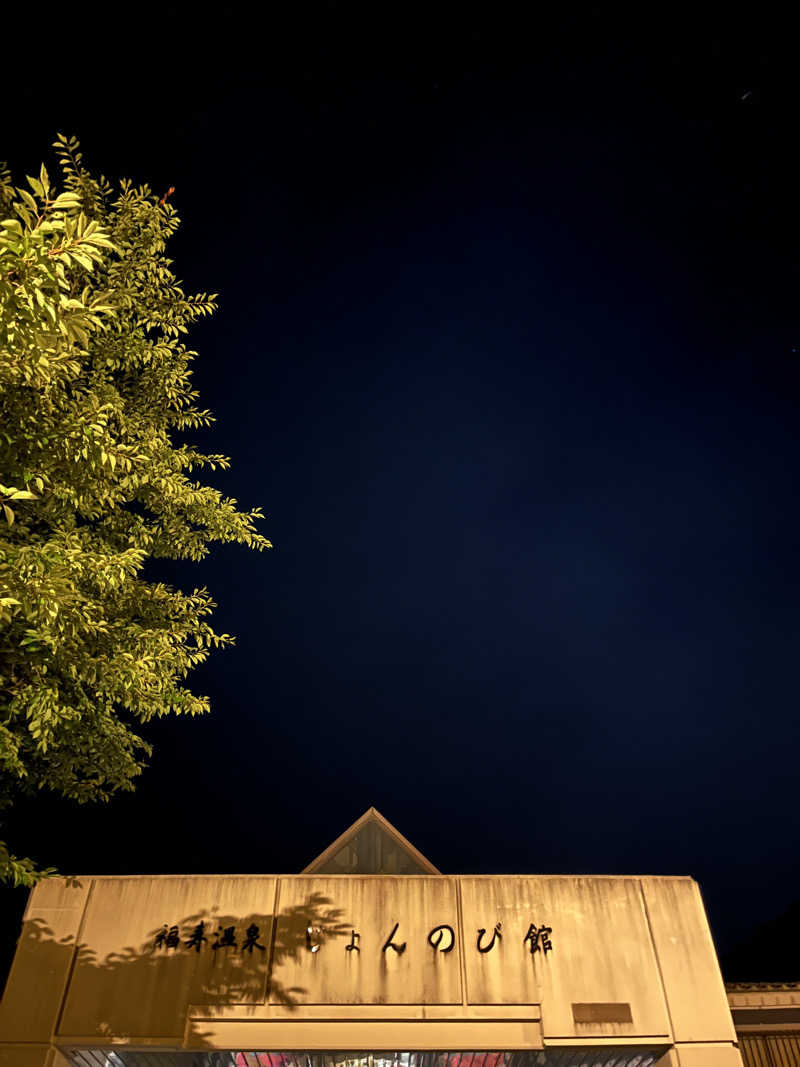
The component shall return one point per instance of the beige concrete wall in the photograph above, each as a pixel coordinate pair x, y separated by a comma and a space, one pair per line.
372, 907
702, 1055
121, 985
602, 954
632, 961
695, 993
31, 1004
27, 1056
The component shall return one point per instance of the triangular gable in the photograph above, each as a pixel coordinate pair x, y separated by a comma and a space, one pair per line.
371, 846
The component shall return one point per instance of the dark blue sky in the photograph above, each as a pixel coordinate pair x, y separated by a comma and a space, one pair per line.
505, 350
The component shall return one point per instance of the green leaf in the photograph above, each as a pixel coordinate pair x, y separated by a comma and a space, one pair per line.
66, 200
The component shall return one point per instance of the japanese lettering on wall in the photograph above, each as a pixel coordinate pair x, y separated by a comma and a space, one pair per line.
441, 938
225, 937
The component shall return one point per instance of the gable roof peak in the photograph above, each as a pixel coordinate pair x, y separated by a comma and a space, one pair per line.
371, 845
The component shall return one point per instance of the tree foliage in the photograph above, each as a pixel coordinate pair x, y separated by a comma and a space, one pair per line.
95, 381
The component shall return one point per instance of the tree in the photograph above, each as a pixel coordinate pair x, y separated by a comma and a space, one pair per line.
94, 382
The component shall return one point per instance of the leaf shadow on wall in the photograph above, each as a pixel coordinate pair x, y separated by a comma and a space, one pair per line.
146, 990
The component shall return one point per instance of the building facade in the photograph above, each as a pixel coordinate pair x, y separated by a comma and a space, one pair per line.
372, 958
766, 1016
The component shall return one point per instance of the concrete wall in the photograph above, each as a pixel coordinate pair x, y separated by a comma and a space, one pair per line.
349, 961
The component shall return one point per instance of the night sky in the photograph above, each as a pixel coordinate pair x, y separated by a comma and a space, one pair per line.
506, 352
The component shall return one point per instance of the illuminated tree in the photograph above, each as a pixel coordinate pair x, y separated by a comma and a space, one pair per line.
94, 382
